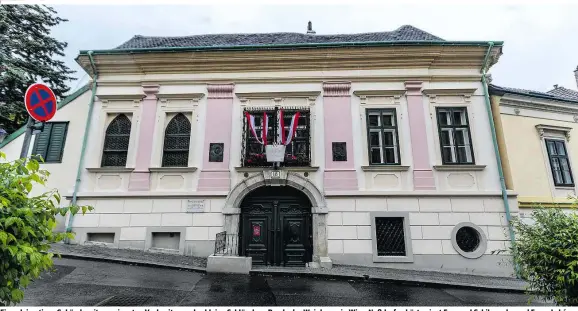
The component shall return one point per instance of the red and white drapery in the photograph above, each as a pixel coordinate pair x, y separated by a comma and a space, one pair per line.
283, 138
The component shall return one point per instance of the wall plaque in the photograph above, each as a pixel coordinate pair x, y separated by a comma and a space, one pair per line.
195, 206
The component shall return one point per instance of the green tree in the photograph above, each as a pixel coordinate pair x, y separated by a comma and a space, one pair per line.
546, 250
26, 226
28, 53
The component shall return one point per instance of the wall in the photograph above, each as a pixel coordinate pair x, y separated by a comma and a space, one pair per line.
532, 177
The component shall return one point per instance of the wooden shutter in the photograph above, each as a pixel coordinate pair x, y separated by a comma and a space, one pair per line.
42, 141
56, 144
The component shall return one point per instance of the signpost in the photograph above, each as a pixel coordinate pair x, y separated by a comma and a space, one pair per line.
40, 102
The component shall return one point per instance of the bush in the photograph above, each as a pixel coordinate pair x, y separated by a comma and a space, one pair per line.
546, 252
26, 226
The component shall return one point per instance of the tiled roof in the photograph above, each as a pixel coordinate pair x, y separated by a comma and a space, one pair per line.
403, 33
547, 95
564, 92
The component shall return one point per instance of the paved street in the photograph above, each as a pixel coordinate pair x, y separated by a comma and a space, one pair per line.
90, 283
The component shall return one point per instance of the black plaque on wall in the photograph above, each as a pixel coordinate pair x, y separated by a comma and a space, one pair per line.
339, 150
216, 151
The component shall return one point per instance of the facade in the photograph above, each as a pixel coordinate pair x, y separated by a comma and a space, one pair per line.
391, 165
534, 131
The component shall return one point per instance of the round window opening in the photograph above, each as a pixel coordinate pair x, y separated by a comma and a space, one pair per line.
468, 239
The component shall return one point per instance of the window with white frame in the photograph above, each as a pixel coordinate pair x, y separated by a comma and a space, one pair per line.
559, 163
177, 141
454, 135
116, 142
382, 137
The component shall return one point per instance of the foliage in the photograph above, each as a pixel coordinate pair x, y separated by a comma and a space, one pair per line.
546, 251
26, 226
28, 53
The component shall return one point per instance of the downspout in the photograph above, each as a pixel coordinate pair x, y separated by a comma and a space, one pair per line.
497, 151
84, 141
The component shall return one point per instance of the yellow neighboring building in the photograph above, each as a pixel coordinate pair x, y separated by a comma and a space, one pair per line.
539, 156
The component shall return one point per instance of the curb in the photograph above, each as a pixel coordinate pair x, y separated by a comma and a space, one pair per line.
344, 277
135, 262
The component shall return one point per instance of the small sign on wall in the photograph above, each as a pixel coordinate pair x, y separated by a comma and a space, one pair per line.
195, 206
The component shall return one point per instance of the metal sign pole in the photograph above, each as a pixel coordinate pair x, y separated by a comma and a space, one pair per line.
27, 138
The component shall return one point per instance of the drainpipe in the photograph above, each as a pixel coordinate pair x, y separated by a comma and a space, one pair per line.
84, 141
497, 151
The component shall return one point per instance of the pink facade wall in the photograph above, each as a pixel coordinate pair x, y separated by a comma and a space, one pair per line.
423, 177
338, 124
140, 177
215, 176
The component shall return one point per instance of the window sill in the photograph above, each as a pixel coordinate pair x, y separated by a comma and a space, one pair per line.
459, 167
290, 169
172, 169
110, 169
568, 187
385, 168
392, 258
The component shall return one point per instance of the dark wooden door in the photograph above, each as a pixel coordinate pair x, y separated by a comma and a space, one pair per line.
276, 229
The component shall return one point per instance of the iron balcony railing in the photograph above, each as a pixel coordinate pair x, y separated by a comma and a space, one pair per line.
297, 153
226, 244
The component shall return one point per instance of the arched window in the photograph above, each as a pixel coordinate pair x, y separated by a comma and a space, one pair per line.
116, 142
177, 140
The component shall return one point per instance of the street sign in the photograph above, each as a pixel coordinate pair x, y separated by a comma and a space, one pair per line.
40, 102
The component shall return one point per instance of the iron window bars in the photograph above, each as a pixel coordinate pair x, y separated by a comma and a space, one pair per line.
297, 153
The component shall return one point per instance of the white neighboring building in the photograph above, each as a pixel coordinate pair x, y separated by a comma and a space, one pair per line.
392, 164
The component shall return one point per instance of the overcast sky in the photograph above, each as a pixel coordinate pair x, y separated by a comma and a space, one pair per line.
540, 41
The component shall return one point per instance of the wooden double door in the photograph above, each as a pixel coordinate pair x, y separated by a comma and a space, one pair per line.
276, 227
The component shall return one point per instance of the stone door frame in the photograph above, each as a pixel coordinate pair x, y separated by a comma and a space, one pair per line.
232, 209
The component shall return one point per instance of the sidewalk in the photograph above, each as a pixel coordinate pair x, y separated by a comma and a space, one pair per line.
198, 264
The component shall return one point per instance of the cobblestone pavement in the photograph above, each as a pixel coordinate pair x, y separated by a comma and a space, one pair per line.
92, 283
338, 271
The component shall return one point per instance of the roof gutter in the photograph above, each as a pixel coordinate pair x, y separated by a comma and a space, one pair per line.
289, 46
494, 89
497, 150
84, 143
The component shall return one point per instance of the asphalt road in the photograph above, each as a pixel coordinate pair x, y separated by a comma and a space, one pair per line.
90, 283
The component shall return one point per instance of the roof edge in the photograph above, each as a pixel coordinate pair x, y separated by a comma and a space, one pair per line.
296, 45
59, 105
498, 90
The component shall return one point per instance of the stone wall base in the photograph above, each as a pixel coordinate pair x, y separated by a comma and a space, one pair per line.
229, 264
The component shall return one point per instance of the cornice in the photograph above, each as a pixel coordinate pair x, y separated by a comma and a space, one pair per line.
380, 93
306, 94
539, 106
120, 97
543, 128
304, 79
188, 96
463, 92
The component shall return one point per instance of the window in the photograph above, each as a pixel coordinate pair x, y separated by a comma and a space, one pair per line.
49, 143
116, 142
382, 136
559, 163
391, 237
177, 141
297, 153
455, 138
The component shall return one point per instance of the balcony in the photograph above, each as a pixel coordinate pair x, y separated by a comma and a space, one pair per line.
297, 153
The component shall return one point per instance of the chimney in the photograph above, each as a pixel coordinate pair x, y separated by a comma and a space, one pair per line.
576, 75
555, 86
310, 30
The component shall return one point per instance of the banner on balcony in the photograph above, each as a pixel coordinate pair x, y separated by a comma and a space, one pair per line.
286, 139
264, 127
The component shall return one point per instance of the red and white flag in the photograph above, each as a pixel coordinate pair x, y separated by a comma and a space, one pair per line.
283, 138
265, 125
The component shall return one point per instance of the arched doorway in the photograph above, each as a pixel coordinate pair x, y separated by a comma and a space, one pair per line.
276, 226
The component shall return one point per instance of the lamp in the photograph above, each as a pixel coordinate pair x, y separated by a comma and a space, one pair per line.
3, 135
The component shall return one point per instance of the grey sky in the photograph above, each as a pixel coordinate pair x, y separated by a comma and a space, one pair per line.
540, 50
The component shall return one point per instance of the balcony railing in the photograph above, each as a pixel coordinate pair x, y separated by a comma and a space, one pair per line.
297, 153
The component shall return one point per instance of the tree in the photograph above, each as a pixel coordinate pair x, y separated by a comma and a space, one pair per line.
546, 250
26, 226
28, 53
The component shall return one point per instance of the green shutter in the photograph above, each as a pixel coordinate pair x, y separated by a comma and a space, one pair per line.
41, 142
56, 144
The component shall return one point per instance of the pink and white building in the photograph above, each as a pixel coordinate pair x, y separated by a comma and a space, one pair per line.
391, 165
